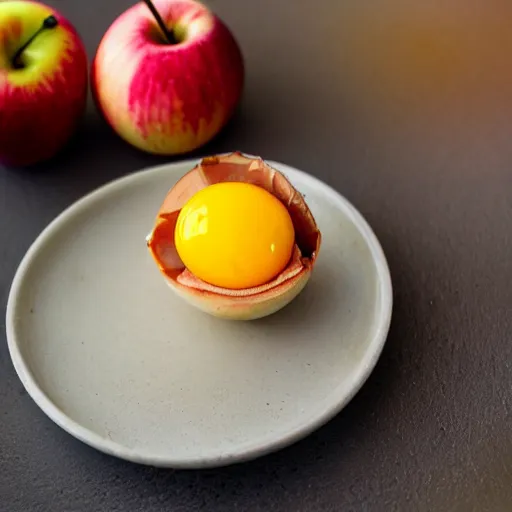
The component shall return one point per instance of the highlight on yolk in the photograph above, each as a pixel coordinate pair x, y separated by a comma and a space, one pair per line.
234, 235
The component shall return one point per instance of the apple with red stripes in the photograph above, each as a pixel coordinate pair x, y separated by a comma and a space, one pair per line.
43, 82
167, 75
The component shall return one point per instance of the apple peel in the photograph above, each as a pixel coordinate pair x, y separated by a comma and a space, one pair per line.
249, 303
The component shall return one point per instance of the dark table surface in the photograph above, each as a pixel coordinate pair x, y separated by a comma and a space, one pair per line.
406, 109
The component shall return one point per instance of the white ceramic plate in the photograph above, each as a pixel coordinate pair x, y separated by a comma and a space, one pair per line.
110, 354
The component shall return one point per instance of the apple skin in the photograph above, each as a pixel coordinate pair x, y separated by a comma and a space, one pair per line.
162, 98
41, 104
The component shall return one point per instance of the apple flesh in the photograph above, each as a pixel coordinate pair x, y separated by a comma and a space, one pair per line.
167, 97
43, 91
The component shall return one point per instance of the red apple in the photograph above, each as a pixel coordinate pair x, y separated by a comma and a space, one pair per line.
43, 82
167, 95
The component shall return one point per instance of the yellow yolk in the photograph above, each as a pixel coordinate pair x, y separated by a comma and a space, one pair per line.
234, 235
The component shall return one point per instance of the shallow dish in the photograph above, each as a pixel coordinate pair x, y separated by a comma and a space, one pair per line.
119, 362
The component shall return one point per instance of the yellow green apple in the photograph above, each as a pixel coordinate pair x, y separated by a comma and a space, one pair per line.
43, 82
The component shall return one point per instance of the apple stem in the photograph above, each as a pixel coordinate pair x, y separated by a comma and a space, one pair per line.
167, 33
49, 22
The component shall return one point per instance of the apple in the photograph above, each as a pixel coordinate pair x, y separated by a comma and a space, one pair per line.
167, 76
43, 82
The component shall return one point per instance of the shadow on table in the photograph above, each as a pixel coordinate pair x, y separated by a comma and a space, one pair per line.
95, 155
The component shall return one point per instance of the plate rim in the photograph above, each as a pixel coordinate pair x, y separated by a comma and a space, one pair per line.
261, 448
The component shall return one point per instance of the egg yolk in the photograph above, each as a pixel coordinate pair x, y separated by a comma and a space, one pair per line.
234, 235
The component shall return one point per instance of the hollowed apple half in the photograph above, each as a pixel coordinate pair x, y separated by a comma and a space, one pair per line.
249, 303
